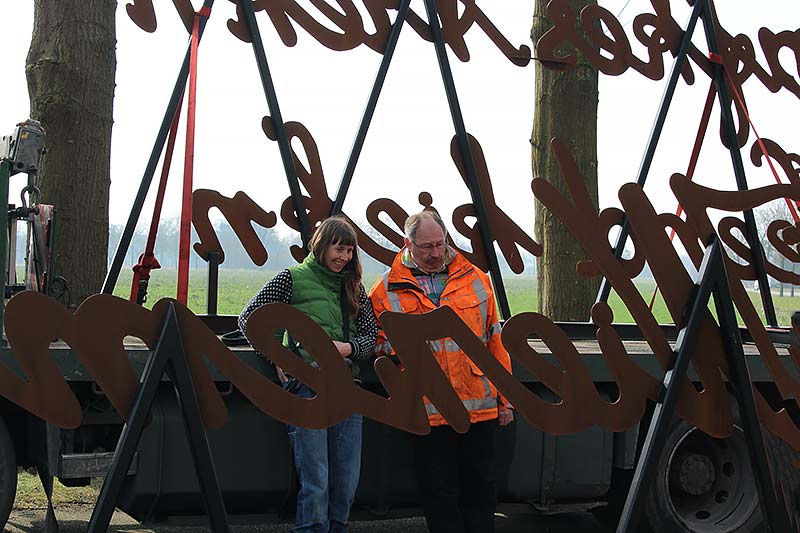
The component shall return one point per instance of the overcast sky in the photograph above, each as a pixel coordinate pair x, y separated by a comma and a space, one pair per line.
407, 150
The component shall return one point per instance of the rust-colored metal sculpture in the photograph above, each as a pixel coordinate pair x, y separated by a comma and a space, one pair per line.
32, 321
579, 407
348, 19
612, 54
240, 211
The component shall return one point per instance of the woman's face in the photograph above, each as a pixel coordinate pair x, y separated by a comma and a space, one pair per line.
337, 256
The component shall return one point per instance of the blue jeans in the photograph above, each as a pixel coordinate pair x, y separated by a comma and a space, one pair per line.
328, 464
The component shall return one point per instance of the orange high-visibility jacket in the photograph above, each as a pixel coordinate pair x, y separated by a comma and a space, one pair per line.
469, 293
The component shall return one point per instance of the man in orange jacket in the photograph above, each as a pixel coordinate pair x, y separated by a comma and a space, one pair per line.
454, 470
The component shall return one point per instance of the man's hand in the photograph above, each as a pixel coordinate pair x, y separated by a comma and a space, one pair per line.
345, 348
505, 417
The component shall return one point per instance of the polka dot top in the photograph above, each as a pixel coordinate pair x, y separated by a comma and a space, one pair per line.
279, 289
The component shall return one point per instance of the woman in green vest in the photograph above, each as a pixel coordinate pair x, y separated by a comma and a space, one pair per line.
327, 287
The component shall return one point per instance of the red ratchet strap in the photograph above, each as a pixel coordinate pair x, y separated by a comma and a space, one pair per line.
716, 58
148, 261
698, 144
188, 164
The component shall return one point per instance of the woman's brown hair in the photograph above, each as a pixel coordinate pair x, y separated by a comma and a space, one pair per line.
339, 230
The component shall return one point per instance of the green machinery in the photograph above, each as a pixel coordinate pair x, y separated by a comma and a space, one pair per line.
19, 154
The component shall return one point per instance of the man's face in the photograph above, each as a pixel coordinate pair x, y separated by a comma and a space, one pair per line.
428, 247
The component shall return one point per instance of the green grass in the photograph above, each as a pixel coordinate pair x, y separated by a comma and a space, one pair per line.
30, 494
235, 289
784, 305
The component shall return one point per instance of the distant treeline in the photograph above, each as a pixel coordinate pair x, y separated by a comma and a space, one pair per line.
277, 245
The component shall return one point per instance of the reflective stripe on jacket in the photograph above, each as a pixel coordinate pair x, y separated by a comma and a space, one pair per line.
469, 293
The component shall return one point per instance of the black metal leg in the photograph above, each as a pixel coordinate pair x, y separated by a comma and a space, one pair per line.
168, 356
769, 493
277, 121
213, 283
466, 154
655, 135
178, 371
664, 411
369, 111
129, 438
729, 129
46, 477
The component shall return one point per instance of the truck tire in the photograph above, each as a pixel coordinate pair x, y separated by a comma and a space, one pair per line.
8, 474
703, 484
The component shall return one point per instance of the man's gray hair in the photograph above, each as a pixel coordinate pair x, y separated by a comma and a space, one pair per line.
413, 222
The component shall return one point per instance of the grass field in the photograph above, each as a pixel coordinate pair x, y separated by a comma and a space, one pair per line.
236, 287
30, 494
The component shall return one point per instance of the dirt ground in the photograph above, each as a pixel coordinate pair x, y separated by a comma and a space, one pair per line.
75, 518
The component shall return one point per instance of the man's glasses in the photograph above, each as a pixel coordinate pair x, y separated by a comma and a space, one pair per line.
428, 247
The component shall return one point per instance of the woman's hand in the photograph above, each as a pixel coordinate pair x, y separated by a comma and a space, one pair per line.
345, 348
281, 374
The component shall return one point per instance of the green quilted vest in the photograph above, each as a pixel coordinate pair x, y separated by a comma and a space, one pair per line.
316, 291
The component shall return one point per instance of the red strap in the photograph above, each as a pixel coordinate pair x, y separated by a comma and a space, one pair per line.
716, 58
698, 144
141, 272
148, 261
188, 171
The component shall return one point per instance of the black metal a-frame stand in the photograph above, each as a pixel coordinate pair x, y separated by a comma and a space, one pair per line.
703, 9
712, 279
168, 357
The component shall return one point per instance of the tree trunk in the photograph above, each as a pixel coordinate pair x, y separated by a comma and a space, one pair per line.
566, 108
70, 70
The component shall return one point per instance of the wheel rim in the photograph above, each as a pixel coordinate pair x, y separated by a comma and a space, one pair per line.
709, 482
